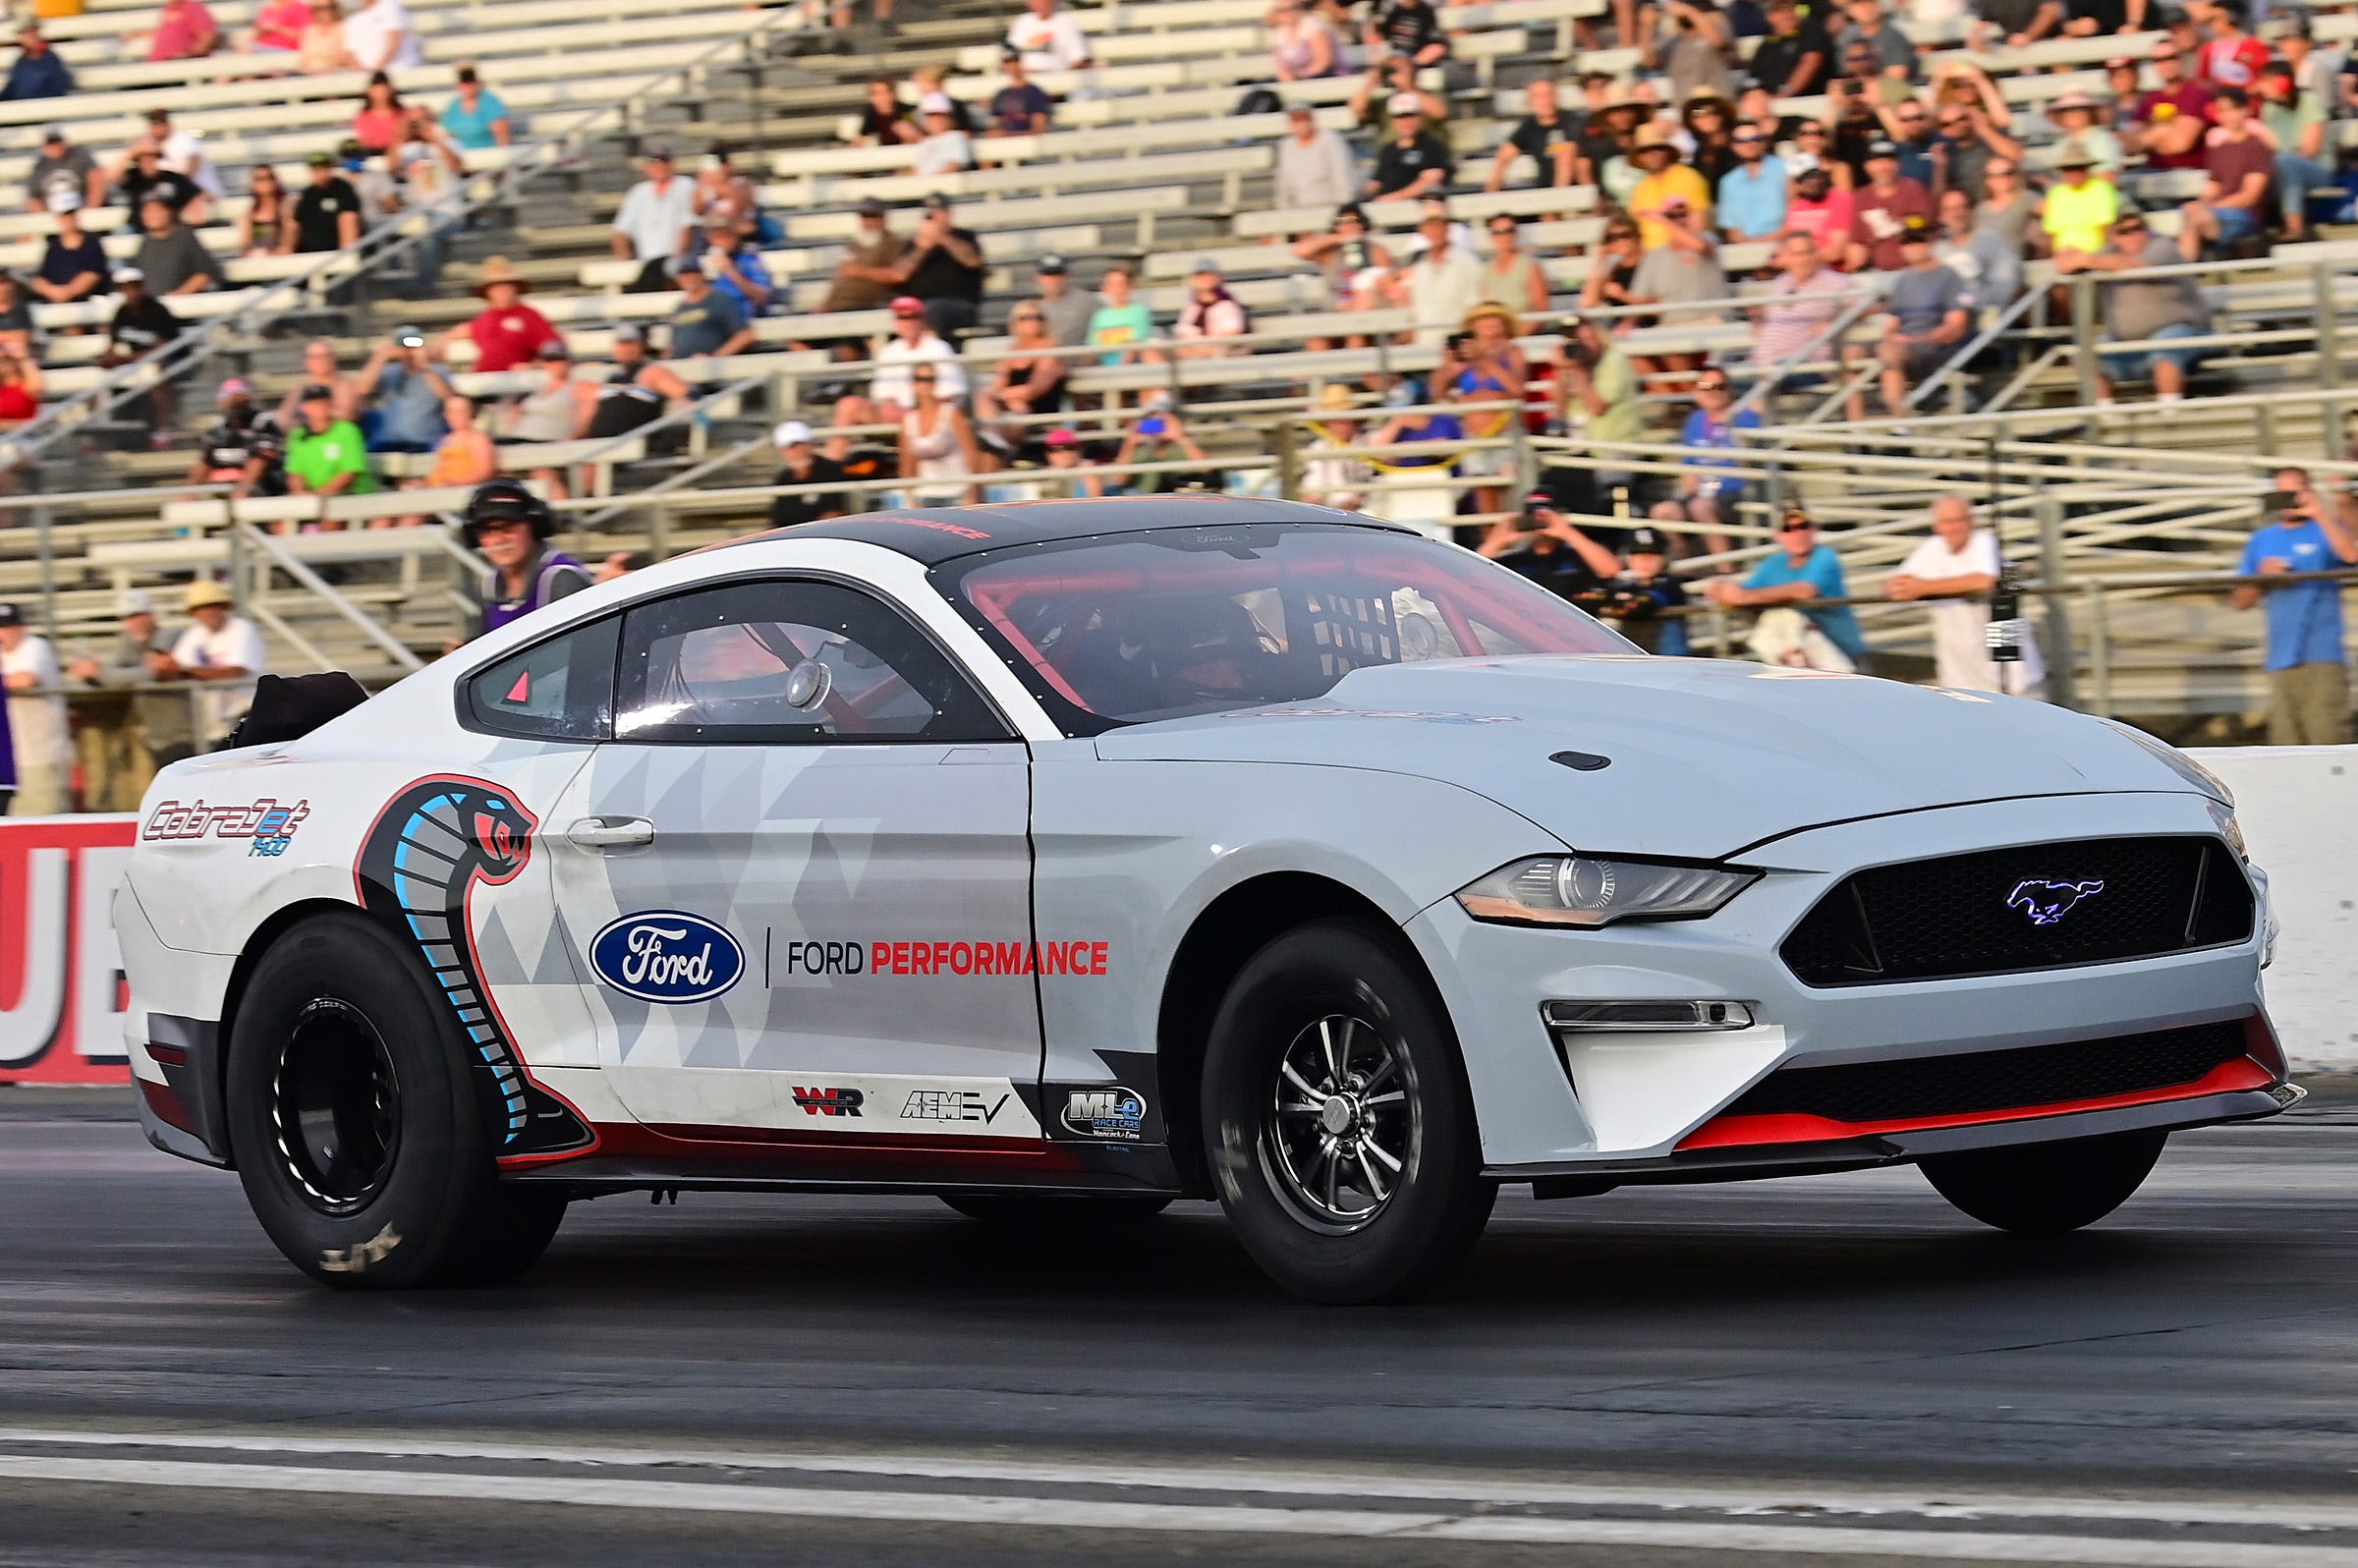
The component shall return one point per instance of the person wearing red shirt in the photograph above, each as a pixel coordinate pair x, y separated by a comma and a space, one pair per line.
2232, 57
1822, 211
184, 30
2169, 122
506, 332
1881, 208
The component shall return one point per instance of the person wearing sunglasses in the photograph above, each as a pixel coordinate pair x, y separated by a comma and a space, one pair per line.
1511, 277
1711, 487
1801, 573
1030, 380
2147, 309
1753, 193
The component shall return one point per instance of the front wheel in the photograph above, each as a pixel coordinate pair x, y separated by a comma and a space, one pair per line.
358, 1136
2046, 1189
1342, 1130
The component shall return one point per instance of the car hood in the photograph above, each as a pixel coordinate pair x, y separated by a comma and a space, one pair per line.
1705, 757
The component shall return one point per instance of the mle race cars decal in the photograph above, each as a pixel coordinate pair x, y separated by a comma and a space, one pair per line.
419, 860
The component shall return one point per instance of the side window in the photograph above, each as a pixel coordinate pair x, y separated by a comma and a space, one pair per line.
789, 663
562, 689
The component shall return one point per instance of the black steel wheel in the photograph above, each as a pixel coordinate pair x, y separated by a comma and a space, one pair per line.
356, 1126
1336, 1116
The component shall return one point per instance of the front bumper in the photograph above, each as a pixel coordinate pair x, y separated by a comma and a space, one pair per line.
1628, 1102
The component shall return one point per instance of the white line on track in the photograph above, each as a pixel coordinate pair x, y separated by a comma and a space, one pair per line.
1045, 1513
1798, 1499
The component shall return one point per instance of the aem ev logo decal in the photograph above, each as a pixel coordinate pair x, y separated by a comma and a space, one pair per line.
666, 956
952, 1105
1118, 1113
2049, 902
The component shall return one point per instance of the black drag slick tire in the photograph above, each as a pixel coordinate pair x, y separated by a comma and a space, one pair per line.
1058, 1211
358, 1135
2046, 1189
1340, 1130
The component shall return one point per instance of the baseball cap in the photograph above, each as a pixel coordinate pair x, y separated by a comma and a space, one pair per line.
352, 147
1008, 51
316, 393
321, 160
1049, 261
794, 432
64, 199
129, 275
235, 387
937, 202
908, 305
1204, 263
1645, 541
53, 133
133, 601
628, 332
1881, 149
935, 103
1404, 103
10, 615
1915, 226
410, 337
872, 208
1673, 203
656, 152
1063, 435
1540, 501
552, 349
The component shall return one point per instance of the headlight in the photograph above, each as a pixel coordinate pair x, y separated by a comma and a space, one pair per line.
1589, 890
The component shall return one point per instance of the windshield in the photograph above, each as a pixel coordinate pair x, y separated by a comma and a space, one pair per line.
1133, 628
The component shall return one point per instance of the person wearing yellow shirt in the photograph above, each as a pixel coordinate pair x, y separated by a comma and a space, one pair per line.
1664, 178
2078, 207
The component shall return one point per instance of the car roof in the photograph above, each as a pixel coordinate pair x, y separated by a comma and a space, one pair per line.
933, 534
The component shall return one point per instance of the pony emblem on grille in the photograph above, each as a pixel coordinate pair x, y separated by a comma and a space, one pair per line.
2046, 903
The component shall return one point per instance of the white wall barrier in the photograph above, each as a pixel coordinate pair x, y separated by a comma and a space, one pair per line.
62, 993
2299, 809
61, 976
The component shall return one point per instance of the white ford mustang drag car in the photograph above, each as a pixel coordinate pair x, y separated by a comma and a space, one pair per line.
1063, 860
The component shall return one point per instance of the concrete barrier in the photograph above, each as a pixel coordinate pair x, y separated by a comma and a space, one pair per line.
2299, 809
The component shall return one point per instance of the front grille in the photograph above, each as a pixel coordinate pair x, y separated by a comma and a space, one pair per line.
1930, 1087
2042, 906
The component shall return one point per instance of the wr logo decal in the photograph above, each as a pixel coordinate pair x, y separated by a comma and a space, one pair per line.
829, 1102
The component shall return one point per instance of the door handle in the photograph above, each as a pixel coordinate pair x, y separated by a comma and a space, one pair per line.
611, 832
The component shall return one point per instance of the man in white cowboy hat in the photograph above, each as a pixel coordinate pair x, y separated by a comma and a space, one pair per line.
224, 650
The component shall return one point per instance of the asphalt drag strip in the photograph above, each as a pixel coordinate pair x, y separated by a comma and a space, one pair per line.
1465, 1517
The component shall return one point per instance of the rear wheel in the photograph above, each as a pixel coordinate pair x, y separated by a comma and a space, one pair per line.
1340, 1127
358, 1136
1058, 1211
2046, 1189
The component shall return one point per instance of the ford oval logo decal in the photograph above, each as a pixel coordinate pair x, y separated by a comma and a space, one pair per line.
662, 955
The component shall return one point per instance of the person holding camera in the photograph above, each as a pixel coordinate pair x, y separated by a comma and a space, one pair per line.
1636, 600
2308, 678
1541, 544
1599, 396
401, 395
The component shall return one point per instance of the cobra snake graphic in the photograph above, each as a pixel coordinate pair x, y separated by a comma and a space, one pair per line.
428, 849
